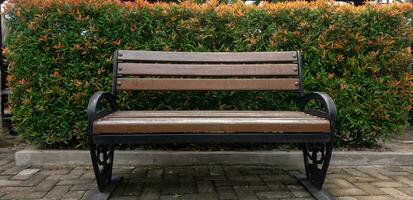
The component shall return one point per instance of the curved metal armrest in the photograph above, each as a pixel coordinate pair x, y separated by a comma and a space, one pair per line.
328, 104
94, 103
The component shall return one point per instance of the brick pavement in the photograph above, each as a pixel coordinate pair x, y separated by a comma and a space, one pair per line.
200, 182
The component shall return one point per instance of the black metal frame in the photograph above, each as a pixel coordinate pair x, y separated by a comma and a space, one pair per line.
317, 156
4, 91
160, 138
316, 147
101, 154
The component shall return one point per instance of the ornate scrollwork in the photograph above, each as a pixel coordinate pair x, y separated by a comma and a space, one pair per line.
102, 159
316, 159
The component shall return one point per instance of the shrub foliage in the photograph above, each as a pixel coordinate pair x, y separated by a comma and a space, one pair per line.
59, 54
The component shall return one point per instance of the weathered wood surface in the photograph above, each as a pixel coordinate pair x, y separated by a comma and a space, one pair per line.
163, 69
206, 57
207, 84
209, 122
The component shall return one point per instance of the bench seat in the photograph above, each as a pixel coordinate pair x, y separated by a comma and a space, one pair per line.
210, 122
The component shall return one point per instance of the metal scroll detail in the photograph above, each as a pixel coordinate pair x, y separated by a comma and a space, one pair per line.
102, 159
317, 157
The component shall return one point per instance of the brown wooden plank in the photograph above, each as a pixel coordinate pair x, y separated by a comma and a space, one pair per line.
207, 69
241, 125
207, 57
7, 111
210, 113
207, 84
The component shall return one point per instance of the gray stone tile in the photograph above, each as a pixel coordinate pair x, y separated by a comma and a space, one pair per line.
73, 195
57, 192
25, 174
245, 193
397, 194
202, 182
6, 183
154, 173
205, 187
203, 196
84, 187
13, 170
298, 191
226, 192
75, 181
24, 195
45, 185
275, 195
150, 194
34, 180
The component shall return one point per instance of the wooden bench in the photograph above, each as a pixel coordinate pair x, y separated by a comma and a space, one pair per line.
313, 129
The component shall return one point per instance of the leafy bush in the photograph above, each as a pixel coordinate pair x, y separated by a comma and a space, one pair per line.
59, 54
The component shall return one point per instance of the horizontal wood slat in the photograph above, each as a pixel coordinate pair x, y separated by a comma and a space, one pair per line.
210, 113
207, 84
207, 69
241, 125
207, 57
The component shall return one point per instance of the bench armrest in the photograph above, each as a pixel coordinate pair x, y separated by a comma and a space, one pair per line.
92, 112
328, 110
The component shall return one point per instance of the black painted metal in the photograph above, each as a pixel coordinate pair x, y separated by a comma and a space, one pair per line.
1, 66
212, 138
102, 160
300, 73
115, 72
317, 155
92, 109
328, 110
101, 154
317, 147
317, 158
5, 117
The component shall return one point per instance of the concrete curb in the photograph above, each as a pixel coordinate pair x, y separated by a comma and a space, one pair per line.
181, 158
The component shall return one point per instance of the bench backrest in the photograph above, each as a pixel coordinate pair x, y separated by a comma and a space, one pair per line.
156, 70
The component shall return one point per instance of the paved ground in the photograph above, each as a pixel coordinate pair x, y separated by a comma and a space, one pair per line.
200, 182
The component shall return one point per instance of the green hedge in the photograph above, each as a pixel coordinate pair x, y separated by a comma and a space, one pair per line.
59, 54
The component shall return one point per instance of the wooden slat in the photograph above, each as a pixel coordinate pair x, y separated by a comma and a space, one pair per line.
241, 125
207, 84
207, 69
7, 111
207, 57
210, 113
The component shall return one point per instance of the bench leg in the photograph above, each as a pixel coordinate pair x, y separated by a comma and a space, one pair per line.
102, 160
317, 158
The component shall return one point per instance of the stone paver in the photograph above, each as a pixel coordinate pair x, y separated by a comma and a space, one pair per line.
25, 174
201, 182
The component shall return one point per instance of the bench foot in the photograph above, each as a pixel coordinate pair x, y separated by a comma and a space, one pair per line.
105, 194
102, 160
319, 194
